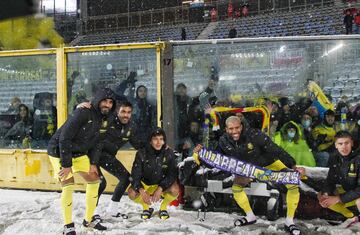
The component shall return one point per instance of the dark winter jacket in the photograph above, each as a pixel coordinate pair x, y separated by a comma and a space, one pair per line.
81, 131
254, 147
182, 104
144, 116
232, 33
344, 171
348, 20
118, 135
154, 168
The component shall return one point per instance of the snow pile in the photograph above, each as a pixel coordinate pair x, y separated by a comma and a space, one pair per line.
29, 212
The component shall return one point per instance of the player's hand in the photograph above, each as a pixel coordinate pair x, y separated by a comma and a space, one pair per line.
197, 148
330, 201
64, 172
321, 197
145, 196
94, 169
84, 105
207, 109
301, 170
157, 194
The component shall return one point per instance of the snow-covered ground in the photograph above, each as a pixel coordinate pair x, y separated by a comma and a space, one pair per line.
38, 213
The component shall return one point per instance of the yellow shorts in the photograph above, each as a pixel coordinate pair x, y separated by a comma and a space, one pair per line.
79, 164
149, 188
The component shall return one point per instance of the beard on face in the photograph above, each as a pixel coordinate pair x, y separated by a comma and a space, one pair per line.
105, 110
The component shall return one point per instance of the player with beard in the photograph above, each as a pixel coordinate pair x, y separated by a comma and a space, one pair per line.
68, 152
120, 132
253, 146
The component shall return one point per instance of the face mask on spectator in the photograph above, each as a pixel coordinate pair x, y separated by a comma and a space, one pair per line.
306, 123
291, 134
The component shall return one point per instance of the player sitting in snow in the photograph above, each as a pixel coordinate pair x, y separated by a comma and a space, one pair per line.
154, 175
253, 146
344, 173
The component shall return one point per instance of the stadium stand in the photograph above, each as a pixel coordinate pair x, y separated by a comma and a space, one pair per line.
344, 81
326, 20
318, 21
167, 32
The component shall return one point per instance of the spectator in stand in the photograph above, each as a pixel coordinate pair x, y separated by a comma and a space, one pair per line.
348, 22
306, 127
182, 104
213, 14
194, 138
285, 112
315, 116
232, 32
291, 140
300, 107
230, 10
208, 96
343, 118
144, 114
356, 120
71, 82
14, 105
357, 22
126, 88
342, 107
273, 108
323, 135
195, 112
183, 34
45, 119
21, 131
237, 13
245, 10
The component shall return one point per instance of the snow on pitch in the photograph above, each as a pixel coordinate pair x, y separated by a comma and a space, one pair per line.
38, 213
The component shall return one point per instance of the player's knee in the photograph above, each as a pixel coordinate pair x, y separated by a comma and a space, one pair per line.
68, 181
90, 177
174, 189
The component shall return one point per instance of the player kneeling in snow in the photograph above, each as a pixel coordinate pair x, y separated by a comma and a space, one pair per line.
154, 175
344, 170
253, 146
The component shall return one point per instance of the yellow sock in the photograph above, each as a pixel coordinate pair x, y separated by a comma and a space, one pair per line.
139, 200
340, 208
168, 197
292, 199
91, 199
241, 198
66, 202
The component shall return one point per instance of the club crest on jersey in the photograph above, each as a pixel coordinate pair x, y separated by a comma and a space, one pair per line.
250, 146
352, 170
